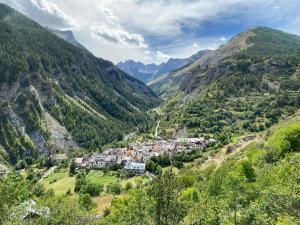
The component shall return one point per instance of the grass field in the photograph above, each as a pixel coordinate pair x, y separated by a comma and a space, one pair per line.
98, 177
60, 182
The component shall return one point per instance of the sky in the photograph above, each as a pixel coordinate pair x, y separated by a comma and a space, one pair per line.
152, 31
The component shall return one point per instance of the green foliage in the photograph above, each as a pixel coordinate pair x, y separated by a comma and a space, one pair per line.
114, 188
86, 201
169, 210
83, 186
284, 140
132, 209
93, 99
13, 191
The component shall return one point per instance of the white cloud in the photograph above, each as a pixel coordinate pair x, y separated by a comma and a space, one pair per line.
162, 56
223, 39
196, 46
122, 29
118, 35
43, 11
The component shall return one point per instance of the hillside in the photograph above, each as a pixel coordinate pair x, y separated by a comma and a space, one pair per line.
257, 184
258, 42
245, 86
150, 72
54, 95
68, 36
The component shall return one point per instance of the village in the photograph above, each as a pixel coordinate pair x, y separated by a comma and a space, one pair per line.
133, 158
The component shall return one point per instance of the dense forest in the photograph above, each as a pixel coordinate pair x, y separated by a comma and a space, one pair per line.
95, 101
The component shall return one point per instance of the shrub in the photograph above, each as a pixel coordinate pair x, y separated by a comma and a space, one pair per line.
284, 140
114, 188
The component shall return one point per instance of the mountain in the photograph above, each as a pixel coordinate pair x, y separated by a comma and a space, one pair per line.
68, 36
245, 86
55, 96
149, 72
138, 70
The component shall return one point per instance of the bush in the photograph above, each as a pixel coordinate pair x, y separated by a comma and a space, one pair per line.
92, 189
86, 201
128, 186
114, 188
284, 140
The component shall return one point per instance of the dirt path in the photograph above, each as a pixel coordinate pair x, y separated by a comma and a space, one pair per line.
47, 173
222, 155
156, 129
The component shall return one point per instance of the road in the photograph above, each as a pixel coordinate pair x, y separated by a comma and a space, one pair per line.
156, 129
47, 173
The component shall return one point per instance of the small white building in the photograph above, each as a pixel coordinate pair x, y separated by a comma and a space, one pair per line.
136, 168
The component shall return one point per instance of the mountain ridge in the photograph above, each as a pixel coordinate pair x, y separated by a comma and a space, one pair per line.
150, 72
256, 69
45, 75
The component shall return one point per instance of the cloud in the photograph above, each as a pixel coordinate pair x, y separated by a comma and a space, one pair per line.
223, 39
43, 11
162, 56
117, 35
139, 29
196, 46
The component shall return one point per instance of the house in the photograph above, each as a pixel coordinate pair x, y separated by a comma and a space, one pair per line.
99, 161
136, 168
79, 162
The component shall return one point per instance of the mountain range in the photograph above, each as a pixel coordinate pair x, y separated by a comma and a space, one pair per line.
149, 72
55, 96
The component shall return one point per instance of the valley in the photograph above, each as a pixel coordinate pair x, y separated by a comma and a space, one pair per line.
213, 138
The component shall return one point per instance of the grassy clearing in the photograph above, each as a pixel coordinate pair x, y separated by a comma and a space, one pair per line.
60, 182
99, 177
103, 202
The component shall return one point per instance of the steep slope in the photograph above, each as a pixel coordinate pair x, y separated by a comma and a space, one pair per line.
52, 92
150, 72
245, 86
68, 36
260, 41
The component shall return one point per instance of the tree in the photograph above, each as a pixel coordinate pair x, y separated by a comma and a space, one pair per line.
132, 209
114, 188
72, 168
80, 181
86, 201
166, 191
206, 212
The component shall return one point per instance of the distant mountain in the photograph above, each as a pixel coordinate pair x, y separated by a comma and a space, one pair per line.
246, 85
149, 72
68, 36
55, 96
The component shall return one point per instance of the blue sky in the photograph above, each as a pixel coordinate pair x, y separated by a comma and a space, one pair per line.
155, 30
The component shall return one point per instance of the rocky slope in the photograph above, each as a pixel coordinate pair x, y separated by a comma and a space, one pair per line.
54, 95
